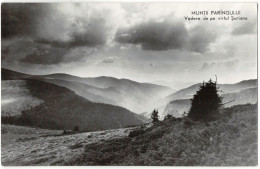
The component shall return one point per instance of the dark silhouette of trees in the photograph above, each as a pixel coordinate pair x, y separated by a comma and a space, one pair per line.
206, 102
155, 116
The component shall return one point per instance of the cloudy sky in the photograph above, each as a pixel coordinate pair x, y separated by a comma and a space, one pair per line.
146, 42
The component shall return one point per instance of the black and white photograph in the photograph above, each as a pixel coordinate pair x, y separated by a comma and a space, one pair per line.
129, 84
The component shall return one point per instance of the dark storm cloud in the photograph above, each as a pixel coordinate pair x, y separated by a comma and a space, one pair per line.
20, 19
27, 51
154, 35
94, 34
44, 24
45, 56
166, 35
45, 34
246, 28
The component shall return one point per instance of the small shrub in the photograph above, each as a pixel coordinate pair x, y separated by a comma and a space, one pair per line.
168, 116
136, 132
76, 128
76, 146
156, 134
188, 123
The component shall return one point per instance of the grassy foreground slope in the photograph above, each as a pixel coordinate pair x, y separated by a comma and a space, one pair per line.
229, 141
26, 146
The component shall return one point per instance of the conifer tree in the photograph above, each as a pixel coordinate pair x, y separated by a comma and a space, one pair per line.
206, 102
155, 116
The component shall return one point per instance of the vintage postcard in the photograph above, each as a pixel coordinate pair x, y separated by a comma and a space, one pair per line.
129, 84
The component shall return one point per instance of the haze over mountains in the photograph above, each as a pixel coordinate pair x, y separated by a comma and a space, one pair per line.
56, 107
223, 88
140, 98
137, 97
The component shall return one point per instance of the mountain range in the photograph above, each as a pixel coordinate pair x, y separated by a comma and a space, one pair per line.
29, 100
223, 88
117, 95
135, 96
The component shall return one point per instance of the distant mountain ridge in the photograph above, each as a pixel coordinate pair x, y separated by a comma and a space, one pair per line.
233, 94
224, 88
135, 96
58, 107
176, 103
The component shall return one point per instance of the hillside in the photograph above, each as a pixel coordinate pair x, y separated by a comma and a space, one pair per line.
244, 96
239, 93
63, 109
135, 96
82, 89
177, 107
15, 98
224, 88
12, 75
248, 95
229, 141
